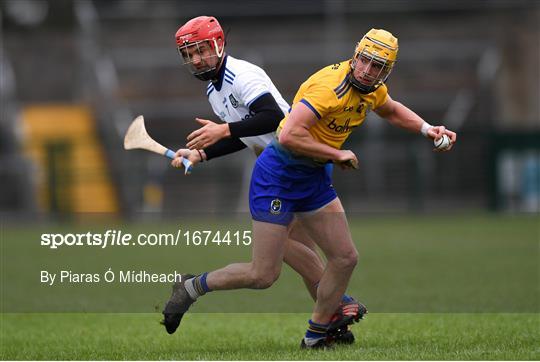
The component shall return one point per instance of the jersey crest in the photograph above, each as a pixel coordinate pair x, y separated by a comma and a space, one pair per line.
275, 206
233, 101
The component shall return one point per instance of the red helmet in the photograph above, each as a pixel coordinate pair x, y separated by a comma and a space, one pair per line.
197, 42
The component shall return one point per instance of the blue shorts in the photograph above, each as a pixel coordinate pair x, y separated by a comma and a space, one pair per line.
283, 184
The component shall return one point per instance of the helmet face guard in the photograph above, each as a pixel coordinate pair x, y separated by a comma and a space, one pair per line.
374, 58
374, 73
201, 58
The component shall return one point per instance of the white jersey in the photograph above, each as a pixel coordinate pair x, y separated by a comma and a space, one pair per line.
240, 84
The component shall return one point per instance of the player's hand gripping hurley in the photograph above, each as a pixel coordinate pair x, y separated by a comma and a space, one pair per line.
137, 138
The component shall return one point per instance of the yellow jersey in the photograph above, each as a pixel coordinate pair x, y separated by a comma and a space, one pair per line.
339, 106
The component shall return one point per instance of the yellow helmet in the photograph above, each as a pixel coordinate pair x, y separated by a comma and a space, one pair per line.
377, 52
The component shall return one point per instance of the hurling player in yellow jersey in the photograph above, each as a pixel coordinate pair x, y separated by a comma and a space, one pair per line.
326, 109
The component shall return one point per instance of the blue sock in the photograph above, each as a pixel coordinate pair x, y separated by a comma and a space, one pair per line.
197, 286
199, 283
202, 279
316, 330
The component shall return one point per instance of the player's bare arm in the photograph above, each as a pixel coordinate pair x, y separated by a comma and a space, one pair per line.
296, 137
401, 116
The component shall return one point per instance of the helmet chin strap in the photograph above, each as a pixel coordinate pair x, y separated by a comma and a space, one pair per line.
364, 89
208, 75
212, 74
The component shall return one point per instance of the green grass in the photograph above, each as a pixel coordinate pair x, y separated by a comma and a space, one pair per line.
438, 287
267, 337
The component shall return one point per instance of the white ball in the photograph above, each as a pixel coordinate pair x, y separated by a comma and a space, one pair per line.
442, 143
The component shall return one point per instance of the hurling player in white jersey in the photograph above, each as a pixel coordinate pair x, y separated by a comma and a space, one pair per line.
245, 99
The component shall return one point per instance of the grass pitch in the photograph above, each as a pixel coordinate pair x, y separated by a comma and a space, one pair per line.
267, 337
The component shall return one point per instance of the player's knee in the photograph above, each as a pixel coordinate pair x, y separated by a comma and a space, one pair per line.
264, 279
262, 283
347, 260
352, 259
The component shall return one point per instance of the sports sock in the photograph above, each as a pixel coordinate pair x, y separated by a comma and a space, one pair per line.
315, 333
197, 286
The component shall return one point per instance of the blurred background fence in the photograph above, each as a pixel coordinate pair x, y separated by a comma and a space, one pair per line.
75, 73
